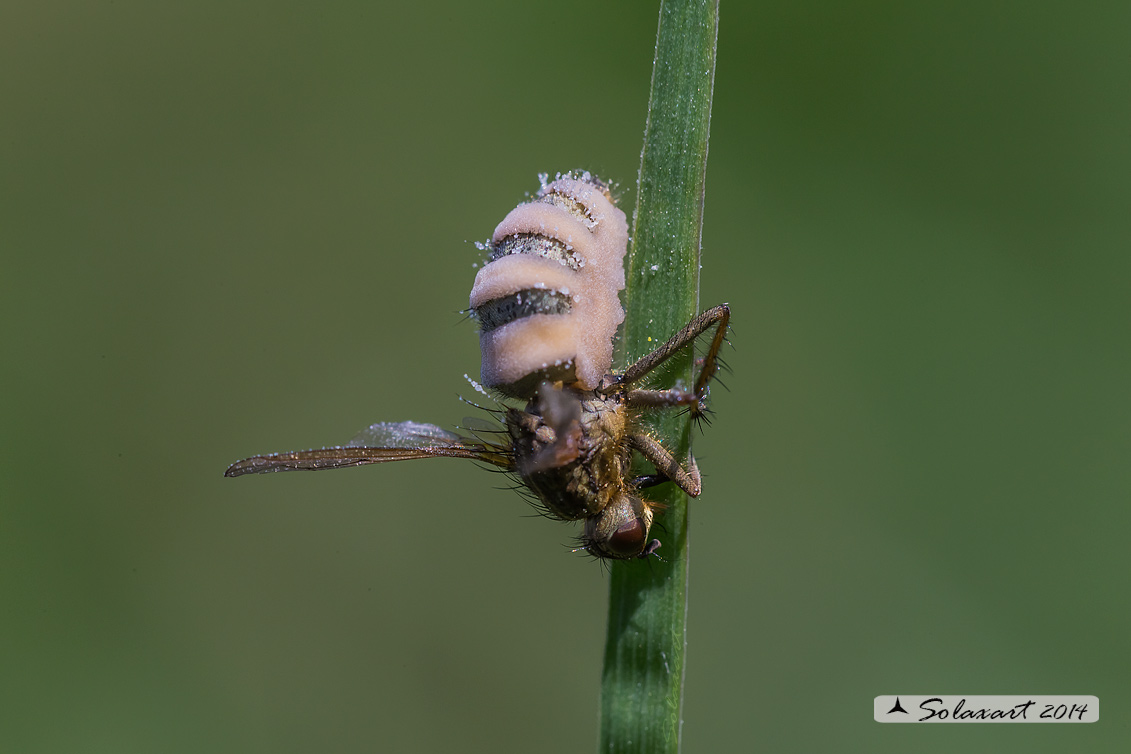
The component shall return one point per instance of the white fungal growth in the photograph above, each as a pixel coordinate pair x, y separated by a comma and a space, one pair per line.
579, 247
478, 388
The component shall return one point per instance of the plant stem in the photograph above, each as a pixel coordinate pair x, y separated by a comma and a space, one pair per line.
642, 682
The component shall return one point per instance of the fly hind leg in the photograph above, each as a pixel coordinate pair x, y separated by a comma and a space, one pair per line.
717, 317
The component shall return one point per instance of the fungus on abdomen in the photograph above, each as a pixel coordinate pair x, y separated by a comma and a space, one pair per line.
548, 301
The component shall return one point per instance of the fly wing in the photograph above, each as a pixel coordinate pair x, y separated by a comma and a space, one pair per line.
404, 435
380, 443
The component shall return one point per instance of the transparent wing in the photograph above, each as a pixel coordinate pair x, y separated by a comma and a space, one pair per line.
380, 443
404, 435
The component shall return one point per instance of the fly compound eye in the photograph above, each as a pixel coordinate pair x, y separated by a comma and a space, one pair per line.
628, 540
620, 531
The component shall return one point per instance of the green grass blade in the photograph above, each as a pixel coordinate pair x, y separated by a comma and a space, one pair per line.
642, 682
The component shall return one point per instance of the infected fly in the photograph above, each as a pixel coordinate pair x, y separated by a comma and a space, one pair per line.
548, 308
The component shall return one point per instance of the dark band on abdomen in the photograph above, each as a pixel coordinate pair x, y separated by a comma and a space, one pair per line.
536, 245
501, 311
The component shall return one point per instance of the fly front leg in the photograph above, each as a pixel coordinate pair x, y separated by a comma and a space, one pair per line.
717, 317
688, 479
649, 480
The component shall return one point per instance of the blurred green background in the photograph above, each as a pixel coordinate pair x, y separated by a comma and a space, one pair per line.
228, 230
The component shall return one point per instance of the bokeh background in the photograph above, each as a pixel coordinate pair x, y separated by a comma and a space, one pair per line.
231, 229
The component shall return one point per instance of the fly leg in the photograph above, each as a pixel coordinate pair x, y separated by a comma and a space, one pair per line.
561, 412
660, 398
717, 317
648, 480
688, 479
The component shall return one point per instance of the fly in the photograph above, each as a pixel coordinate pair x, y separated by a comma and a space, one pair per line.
548, 308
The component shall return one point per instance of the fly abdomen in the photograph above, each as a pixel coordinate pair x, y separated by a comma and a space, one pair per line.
502, 311
537, 245
548, 301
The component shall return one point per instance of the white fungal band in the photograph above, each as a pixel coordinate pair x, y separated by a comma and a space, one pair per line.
538, 343
575, 346
518, 272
